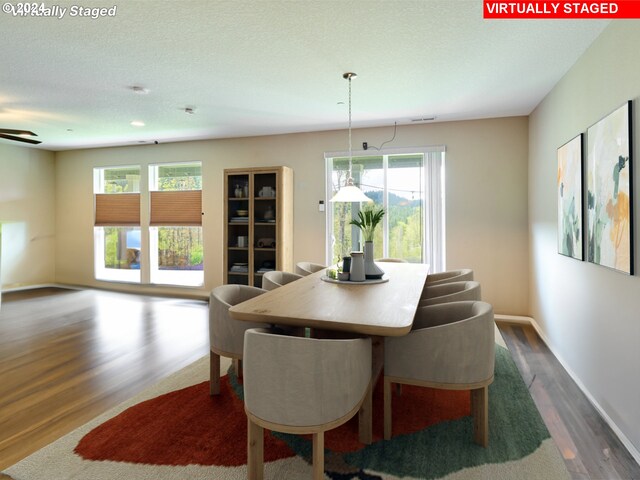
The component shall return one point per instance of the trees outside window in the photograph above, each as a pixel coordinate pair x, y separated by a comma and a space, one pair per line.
409, 186
175, 235
117, 223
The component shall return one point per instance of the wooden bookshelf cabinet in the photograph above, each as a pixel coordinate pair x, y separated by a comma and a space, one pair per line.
258, 223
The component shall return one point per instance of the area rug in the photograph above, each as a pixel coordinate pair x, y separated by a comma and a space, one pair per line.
175, 430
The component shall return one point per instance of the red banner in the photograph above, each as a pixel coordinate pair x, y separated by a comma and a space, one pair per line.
587, 9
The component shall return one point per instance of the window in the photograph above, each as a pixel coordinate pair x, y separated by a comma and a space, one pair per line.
409, 184
165, 247
117, 223
175, 232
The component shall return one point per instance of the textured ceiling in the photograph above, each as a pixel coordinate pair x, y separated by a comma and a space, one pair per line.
272, 66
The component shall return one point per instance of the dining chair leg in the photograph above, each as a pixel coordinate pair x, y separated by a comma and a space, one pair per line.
387, 408
214, 373
318, 456
480, 412
237, 366
365, 427
255, 451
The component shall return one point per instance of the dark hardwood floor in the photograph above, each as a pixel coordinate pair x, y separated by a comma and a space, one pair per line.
589, 447
67, 356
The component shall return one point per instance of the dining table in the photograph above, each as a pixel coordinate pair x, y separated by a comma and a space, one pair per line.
378, 310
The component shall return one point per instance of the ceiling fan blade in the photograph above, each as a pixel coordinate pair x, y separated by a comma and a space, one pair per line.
9, 131
19, 139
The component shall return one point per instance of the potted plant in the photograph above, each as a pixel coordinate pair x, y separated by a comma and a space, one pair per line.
368, 219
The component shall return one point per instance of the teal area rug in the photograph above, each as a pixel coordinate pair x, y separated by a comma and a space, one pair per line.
516, 431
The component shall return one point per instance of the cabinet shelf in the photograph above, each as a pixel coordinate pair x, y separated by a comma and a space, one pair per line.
278, 230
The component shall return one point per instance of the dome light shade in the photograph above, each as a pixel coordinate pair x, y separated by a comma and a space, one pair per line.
350, 193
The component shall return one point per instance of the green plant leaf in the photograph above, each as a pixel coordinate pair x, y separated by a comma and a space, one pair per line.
367, 221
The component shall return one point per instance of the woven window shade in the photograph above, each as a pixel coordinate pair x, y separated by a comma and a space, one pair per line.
117, 209
181, 208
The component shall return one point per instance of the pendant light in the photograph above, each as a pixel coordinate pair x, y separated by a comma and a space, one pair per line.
350, 193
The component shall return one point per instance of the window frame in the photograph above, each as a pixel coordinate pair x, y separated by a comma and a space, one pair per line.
130, 221
433, 218
146, 186
173, 220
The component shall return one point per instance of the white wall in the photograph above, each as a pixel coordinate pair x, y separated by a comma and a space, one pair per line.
486, 196
589, 314
27, 214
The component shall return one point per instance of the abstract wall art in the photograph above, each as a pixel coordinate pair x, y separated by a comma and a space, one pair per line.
570, 230
609, 195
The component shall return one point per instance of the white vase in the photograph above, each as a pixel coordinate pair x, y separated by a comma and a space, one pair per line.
371, 270
357, 267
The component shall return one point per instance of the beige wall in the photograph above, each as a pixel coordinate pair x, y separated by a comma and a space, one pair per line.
589, 314
486, 196
27, 200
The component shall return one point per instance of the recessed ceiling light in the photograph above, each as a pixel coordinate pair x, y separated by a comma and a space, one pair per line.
137, 123
140, 90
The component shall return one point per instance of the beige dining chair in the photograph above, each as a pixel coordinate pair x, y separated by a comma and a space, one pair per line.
451, 346
323, 391
391, 260
450, 292
307, 268
226, 335
460, 275
276, 278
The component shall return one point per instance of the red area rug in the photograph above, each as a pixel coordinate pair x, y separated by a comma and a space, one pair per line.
188, 426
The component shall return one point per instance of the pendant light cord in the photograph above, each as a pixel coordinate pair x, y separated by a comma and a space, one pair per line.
350, 149
350, 193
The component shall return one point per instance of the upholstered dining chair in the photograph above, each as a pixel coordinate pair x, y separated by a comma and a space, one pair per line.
391, 260
274, 279
307, 268
323, 391
460, 275
451, 346
450, 292
226, 335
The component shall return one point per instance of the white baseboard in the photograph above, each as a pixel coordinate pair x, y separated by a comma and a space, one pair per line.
145, 290
513, 319
22, 288
621, 436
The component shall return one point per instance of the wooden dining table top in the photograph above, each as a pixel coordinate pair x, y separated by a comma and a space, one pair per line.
381, 309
